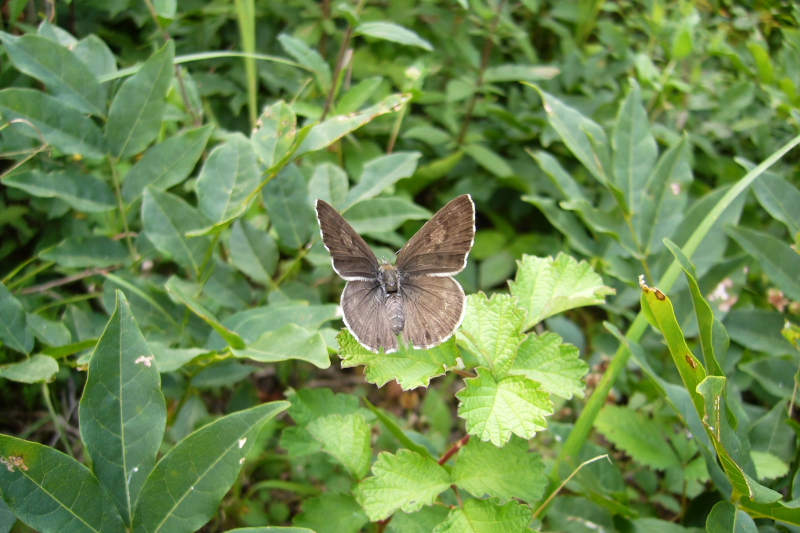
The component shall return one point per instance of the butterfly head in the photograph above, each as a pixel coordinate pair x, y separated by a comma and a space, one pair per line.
389, 277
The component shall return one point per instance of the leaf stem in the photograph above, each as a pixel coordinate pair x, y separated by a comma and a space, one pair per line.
340, 60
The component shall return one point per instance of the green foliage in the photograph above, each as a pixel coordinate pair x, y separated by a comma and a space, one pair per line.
163, 285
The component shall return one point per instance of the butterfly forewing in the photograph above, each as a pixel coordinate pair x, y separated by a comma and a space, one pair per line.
352, 257
366, 317
434, 308
441, 246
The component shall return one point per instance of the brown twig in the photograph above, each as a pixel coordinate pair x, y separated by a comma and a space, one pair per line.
44, 287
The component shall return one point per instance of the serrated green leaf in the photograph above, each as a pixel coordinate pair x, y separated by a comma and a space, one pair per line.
73, 500
88, 252
58, 68
388, 31
332, 513
289, 342
557, 366
422, 521
310, 404
122, 410
134, 119
181, 291
253, 251
382, 215
347, 438
492, 328
326, 133
61, 126
286, 200
636, 435
780, 263
309, 58
509, 472
297, 441
188, 483
547, 286
83, 192
166, 164
487, 516
37, 369
228, 177
494, 409
768, 466
167, 219
13, 326
411, 368
404, 481
328, 183
381, 173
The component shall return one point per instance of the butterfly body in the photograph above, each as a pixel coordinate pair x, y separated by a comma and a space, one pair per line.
417, 296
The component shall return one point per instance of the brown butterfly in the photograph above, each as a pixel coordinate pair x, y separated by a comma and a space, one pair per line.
417, 295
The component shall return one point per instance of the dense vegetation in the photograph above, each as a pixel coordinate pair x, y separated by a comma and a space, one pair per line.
171, 338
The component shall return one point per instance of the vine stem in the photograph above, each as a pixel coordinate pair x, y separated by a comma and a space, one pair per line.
488, 45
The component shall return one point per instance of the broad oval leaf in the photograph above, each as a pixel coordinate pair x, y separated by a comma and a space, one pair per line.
37, 369
186, 486
228, 179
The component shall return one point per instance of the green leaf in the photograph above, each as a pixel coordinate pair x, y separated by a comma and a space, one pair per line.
381, 215
509, 472
584, 137
188, 483
423, 521
487, 516
332, 513
311, 404
509, 72
662, 205
557, 366
48, 502
331, 130
289, 342
494, 409
411, 368
229, 177
275, 133
634, 148
179, 289
726, 518
774, 374
347, 438
769, 466
13, 326
780, 262
286, 200
59, 69
568, 224
253, 251
637, 436
134, 119
61, 126
171, 359
309, 58
759, 330
122, 410
167, 219
489, 160
49, 332
354, 98
328, 183
389, 31
37, 369
546, 286
88, 252
381, 173
404, 481
492, 328
166, 164
253, 323
83, 192
780, 198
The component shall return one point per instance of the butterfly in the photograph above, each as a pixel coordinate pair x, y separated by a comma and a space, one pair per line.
417, 296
